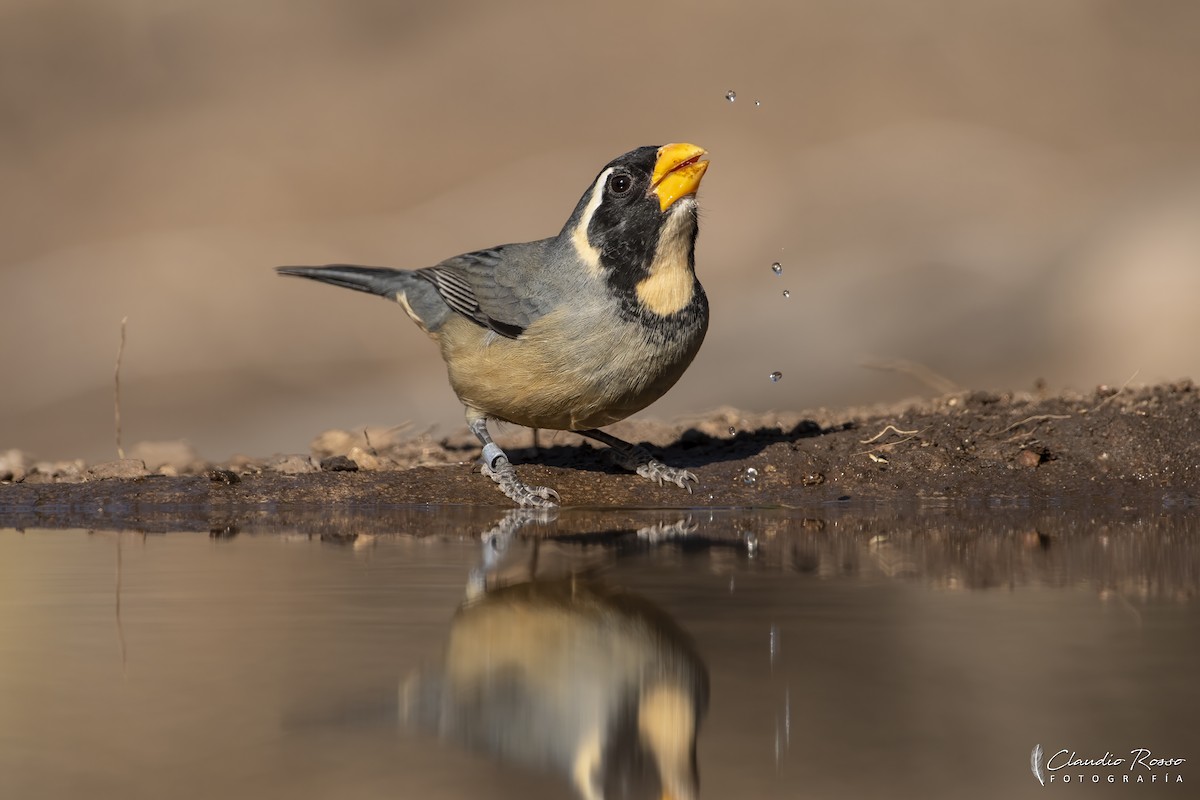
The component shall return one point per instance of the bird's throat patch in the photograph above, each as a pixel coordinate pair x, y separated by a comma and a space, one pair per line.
670, 286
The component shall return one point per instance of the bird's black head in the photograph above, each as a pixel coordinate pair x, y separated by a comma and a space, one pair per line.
636, 227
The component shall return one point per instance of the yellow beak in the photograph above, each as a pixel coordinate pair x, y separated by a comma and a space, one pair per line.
677, 172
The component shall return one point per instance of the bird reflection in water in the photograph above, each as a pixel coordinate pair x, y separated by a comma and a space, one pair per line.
571, 676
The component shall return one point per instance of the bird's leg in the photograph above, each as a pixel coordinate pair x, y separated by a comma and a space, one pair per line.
497, 467
639, 460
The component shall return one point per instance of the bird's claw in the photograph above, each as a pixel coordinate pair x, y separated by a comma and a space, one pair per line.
639, 460
521, 493
660, 472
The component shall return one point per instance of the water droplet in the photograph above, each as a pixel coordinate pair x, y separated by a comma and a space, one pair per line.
758, 104
731, 95
732, 431
786, 293
775, 376
751, 476
777, 268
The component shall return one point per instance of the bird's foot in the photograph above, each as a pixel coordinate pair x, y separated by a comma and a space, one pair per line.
502, 472
661, 473
639, 460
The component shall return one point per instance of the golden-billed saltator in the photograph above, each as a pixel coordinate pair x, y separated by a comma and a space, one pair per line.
572, 332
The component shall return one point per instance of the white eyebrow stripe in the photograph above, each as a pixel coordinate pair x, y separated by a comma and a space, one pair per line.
586, 250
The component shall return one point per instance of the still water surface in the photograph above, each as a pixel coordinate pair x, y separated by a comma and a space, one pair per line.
847, 655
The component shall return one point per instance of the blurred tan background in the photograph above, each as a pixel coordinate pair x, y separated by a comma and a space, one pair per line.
1002, 191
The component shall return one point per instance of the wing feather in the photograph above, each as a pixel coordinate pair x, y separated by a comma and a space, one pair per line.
486, 287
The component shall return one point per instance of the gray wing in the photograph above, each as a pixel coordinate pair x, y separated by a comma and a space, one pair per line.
495, 288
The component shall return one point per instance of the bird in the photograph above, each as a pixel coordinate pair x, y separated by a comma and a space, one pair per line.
571, 676
573, 332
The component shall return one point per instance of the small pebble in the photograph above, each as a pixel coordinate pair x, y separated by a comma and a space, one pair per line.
1028, 458
13, 466
225, 476
338, 464
368, 461
122, 468
293, 465
175, 453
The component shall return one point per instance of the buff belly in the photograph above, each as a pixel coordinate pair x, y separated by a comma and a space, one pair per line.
557, 377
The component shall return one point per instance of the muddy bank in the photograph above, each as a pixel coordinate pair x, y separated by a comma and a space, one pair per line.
1109, 446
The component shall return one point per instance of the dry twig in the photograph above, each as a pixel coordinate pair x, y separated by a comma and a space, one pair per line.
885, 431
939, 383
1102, 403
117, 390
1035, 418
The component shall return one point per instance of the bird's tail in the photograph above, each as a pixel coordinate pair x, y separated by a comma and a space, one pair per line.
382, 281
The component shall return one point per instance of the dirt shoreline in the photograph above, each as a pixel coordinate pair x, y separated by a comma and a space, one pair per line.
1109, 447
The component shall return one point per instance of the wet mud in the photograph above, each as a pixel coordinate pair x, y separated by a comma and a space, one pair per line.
1105, 448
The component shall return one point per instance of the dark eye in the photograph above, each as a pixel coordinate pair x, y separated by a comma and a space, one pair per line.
620, 183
